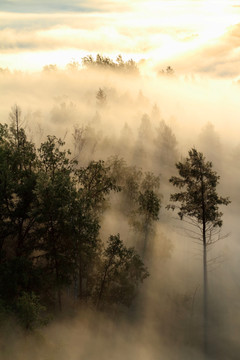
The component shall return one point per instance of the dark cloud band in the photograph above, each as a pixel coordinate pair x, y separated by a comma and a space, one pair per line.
46, 6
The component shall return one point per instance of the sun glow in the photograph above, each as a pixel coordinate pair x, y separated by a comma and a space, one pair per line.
157, 30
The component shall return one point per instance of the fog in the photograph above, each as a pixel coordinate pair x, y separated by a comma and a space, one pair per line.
165, 320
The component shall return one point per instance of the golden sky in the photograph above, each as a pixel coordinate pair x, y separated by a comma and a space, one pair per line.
199, 35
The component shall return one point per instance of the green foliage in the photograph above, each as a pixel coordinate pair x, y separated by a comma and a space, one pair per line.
53, 158
56, 193
96, 182
120, 272
199, 207
149, 204
140, 199
50, 217
17, 181
135, 186
29, 311
198, 199
197, 176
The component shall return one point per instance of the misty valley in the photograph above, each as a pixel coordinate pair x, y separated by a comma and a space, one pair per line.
118, 214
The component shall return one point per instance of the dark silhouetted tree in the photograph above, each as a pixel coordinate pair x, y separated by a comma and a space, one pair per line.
106, 63
95, 183
167, 72
56, 194
199, 206
101, 97
120, 272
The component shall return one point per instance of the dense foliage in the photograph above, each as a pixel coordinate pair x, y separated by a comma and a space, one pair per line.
198, 198
50, 218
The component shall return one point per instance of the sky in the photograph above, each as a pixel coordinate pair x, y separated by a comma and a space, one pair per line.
199, 36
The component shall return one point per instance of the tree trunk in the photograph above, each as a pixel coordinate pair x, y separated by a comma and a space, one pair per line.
80, 272
145, 240
205, 300
80, 290
205, 285
102, 287
59, 293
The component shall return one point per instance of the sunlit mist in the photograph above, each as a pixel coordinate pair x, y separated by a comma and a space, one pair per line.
104, 107
32, 35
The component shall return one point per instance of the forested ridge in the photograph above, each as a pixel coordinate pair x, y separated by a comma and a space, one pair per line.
85, 228
51, 211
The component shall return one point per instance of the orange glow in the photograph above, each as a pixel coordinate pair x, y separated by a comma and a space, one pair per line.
157, 30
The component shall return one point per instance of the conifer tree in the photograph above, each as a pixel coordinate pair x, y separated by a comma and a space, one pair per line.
199, 206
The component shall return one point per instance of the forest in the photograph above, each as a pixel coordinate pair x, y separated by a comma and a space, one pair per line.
94, 235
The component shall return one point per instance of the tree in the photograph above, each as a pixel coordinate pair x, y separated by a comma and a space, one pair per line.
101, 97
146, 214
50, 219
73, 66
120, 272
95, 183
51, 68
18, 164
149, 207
30, 311
56, 193
17, 182
199, 207
165, 149
140, 200
143, 144
167, 72
104, 62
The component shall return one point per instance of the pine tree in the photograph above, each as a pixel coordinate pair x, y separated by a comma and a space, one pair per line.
199, 207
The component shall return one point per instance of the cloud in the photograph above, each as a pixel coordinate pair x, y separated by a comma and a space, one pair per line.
104, 40
111, 27
53, 6
90, 32
43, 6
218, 58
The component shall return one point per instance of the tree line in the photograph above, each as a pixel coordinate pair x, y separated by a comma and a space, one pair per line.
51, 209
50, 218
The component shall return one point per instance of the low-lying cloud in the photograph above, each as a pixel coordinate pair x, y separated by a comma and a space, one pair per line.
168, 35
166, 319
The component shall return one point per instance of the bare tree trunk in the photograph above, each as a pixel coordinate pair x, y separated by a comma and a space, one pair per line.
205, 300
205, 284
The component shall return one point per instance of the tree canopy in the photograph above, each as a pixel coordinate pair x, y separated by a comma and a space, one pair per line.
104, 62
198, 201
50, 219
199, 206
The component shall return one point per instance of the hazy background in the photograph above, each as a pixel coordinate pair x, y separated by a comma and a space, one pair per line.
200, 104
195, 36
